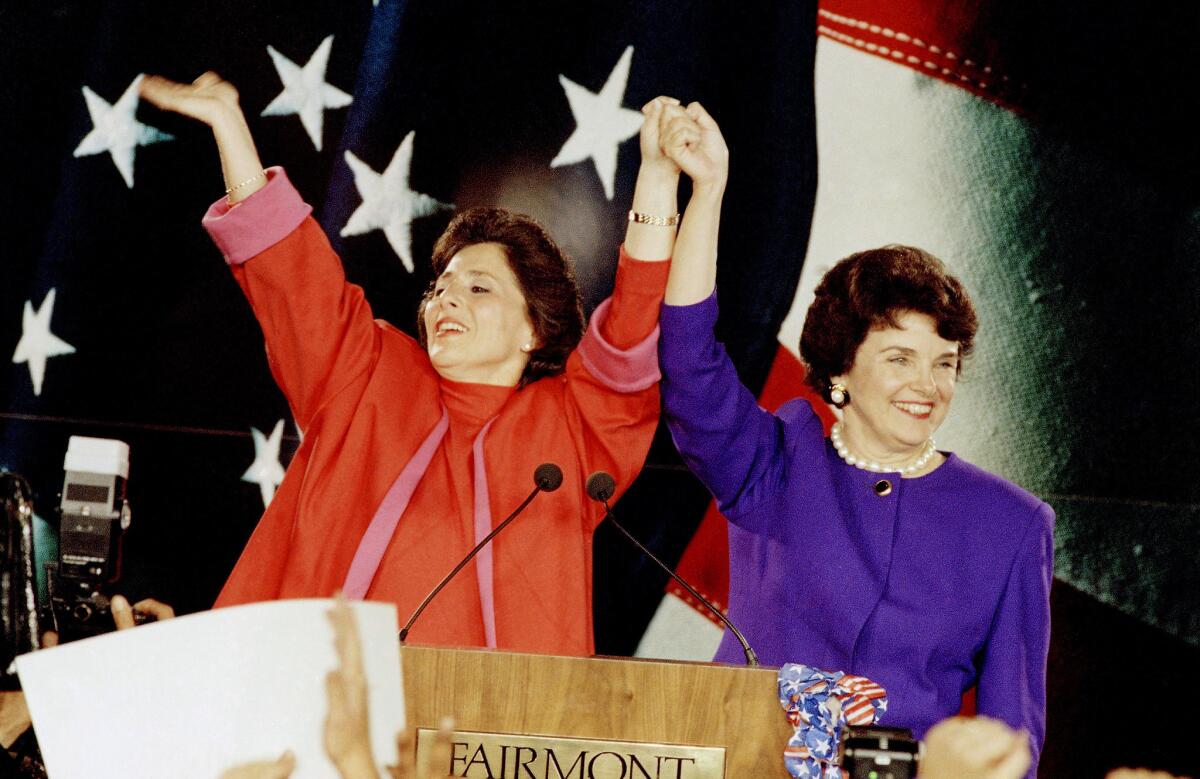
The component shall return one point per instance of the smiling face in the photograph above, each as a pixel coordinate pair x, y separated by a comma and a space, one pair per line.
900, 384
477, 324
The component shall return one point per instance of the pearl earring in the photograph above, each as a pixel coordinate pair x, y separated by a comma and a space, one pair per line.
839, 395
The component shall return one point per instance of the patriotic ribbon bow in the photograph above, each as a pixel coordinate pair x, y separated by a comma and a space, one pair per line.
819, 704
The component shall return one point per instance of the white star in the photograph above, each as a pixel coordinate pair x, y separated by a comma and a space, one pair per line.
116, 131
305, 91
37, 342
266, 471
388, 203
601, 123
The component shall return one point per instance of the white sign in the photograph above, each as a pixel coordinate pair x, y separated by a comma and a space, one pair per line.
193, 696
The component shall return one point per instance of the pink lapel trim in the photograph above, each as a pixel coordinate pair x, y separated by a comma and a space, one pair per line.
483, 526
375, 540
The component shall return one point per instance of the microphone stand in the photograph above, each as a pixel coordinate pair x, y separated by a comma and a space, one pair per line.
601, 489
547, 477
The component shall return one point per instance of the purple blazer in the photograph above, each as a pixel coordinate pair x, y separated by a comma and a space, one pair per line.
940, 585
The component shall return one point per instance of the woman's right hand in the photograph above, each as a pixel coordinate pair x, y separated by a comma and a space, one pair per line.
653, 158
209, 99
214, 101
657, 189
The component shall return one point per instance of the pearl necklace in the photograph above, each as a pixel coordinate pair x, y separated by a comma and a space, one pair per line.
835, 437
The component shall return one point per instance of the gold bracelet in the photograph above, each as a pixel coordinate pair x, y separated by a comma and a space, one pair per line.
248, 181
650, 219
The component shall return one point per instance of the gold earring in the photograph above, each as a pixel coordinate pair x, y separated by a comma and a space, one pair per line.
839, 395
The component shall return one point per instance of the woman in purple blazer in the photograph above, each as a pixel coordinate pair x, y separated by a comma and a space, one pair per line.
871, 552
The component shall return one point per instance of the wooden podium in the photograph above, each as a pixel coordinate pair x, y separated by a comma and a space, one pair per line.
627, 700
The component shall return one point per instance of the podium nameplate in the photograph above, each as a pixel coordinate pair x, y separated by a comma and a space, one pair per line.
510, 756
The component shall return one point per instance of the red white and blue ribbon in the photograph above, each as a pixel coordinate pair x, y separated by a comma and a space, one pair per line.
806, 695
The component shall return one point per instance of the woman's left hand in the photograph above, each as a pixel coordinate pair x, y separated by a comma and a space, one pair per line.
692, 139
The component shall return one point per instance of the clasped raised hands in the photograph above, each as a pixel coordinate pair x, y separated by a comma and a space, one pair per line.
692, 141
678, 138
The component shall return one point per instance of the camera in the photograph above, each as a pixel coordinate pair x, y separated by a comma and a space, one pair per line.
879, 753
94, 515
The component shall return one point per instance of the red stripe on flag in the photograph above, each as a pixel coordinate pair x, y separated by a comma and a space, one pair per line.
860, 715
968, 704
934, 39
786, 381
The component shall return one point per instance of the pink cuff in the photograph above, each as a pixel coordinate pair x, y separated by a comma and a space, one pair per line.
258, 222
624, 370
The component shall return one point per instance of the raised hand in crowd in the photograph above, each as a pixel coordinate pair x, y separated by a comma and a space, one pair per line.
124, 616
407, 768
974, 748
267, 769
347, 723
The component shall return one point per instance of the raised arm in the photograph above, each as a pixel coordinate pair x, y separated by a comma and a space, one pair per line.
724, 437
649, 240
319, 330
692, 139
612, 378
214, 101
655, 197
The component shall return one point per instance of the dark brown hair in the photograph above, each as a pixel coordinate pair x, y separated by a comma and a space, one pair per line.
543, 272
870, 290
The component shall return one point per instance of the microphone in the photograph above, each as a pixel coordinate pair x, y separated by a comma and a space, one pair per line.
547, 477
600, 488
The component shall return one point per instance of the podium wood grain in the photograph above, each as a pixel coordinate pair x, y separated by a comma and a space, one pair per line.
664, 702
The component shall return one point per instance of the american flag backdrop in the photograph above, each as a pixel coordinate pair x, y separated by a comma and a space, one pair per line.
122, 321
1035, 147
